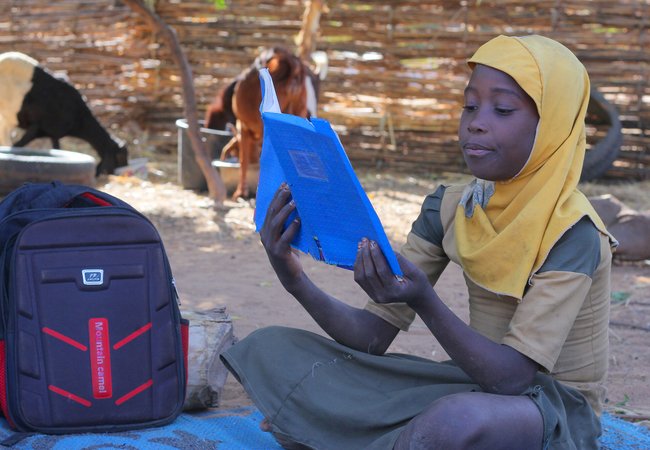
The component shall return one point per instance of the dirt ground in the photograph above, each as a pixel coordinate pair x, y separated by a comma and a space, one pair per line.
217, 260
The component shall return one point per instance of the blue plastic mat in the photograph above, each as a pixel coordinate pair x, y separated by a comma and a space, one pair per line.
238, 429
622, 435
235, 429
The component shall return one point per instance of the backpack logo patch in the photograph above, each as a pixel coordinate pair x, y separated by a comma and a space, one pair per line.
93, 277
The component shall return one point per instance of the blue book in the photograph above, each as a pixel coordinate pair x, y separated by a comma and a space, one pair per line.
334, 210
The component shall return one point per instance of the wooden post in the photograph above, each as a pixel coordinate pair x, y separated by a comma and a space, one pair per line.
216, 187
306, 39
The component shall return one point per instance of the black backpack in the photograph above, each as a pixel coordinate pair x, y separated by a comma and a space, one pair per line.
91, 335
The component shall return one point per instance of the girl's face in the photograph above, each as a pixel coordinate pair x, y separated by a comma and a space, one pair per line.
498, 125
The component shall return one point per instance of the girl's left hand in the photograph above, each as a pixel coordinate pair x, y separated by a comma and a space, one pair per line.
374, 275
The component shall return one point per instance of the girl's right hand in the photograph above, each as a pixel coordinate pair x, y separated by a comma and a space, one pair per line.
277, 240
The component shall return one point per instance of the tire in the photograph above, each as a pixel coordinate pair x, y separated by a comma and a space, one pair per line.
601, 156
21, 165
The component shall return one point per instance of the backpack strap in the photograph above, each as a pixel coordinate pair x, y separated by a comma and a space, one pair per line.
55, 195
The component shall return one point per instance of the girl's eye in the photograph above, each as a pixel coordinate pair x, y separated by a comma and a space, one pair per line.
470, 108
504, 111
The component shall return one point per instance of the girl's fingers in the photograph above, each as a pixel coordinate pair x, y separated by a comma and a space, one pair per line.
281, 217
277, 212
370, 270
278, 200
404, 264
272, 228
291, 231
358, 262
379, 260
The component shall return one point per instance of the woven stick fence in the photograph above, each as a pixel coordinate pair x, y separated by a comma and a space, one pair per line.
396, 68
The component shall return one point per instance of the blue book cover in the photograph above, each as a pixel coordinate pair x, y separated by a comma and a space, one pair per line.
334, 210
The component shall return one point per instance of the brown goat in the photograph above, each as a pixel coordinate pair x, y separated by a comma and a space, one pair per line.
239, 103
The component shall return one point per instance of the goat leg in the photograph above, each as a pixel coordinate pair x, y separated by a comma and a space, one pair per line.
31, 133
246, 145
231, 146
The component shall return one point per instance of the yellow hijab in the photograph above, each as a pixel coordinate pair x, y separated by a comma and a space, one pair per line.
504, 242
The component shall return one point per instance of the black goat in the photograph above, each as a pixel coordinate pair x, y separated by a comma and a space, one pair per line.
54, 108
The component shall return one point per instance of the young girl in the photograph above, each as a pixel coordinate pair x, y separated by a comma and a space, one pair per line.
528, 370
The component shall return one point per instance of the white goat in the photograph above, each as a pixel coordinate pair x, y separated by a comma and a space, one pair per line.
16, 71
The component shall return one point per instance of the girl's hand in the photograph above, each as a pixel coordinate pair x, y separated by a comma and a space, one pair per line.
276, 239
373, 274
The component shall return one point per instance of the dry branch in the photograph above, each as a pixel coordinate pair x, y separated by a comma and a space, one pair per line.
216, 187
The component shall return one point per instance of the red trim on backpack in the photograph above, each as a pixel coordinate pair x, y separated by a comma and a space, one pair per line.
185, 338
95, 199
134, 392
64, 338
69, 395
100, 358
132, 336
3, 384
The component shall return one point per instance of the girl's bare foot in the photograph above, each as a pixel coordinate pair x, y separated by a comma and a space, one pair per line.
265, 426
285, 442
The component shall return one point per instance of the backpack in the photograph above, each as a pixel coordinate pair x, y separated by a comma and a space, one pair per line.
91, 335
